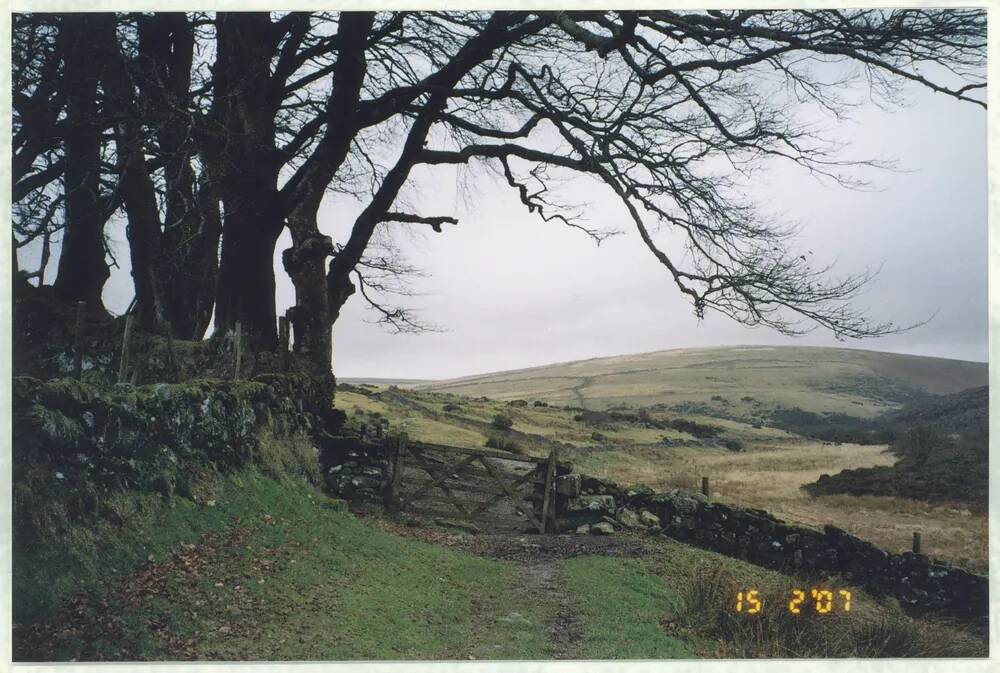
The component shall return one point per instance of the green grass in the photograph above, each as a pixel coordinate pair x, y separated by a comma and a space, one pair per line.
621, 606
272, 571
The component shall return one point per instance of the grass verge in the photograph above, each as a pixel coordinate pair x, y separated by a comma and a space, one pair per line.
620, 607
708, 586
271, 571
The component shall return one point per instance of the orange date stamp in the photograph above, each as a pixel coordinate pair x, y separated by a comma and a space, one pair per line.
820, 601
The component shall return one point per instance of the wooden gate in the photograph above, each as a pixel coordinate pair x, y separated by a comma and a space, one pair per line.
471, 484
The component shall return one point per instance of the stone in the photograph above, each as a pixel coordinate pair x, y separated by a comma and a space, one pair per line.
628, 518
684, 505
583, 530
568, 485
602, 528
593, 503
648, 519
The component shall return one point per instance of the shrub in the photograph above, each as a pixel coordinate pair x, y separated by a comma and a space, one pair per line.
747, 398
592, 417
518, 403
699, 430
502, 444
598, 437
501, 422
733, 444
539, 403
451, 407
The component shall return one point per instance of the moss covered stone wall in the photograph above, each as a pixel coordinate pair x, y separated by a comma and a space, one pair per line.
75, 443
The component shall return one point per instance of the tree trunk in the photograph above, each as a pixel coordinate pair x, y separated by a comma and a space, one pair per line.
246, 163
246, 286
204, 287
82, 269
135, 185
305, 263
190, 241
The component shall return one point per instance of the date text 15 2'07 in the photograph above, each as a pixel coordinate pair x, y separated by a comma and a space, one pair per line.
822, 601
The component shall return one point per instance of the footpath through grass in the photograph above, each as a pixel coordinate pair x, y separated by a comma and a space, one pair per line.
271, 571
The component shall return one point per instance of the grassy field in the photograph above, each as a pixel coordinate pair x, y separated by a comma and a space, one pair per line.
274, 570
768, 473
770, 476
856, 382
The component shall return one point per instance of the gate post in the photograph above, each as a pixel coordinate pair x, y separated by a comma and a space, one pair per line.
397, 470
549, 476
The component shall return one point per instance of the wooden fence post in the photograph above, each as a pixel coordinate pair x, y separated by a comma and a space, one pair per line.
81, 324
126, 338
282, 344
239, 349
550, 473
397, 471
916, 542
704, 486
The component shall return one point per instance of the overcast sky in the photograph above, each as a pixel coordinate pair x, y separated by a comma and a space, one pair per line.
514, 292
511, 291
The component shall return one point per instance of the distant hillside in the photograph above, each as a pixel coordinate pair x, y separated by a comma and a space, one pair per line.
736, 382
943, 452
374, 381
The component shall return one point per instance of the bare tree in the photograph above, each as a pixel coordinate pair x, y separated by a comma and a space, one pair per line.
668, 111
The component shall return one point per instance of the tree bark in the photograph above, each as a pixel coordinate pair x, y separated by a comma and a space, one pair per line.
244, 157
246, 285
82, 269
305, 263
135, 185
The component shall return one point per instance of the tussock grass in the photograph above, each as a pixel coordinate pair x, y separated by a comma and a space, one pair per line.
869, 630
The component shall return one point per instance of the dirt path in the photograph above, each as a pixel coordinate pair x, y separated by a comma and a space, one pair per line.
541, 579
537, 556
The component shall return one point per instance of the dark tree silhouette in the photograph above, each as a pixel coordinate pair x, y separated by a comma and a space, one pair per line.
243, 123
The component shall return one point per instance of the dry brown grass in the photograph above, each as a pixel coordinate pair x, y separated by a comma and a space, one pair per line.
770, 476
814, 379
870, 629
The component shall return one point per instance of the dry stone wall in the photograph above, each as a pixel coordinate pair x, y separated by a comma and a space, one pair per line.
79, 443
758, 537
355, 468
